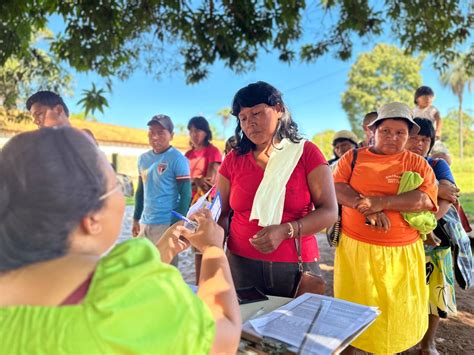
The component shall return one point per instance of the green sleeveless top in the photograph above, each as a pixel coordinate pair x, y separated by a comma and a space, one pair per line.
135, 304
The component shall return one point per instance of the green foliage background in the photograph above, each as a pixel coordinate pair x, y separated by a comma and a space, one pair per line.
385, 74
113, 38
35, 70
450, 133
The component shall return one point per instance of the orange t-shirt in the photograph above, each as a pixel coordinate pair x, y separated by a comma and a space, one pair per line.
379, 175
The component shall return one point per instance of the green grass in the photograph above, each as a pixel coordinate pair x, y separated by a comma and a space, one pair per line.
465, 181
464, 174
467, 202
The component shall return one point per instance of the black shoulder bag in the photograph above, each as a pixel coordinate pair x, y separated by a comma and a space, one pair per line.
333, 233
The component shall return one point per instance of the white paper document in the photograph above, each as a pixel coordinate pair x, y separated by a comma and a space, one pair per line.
202, 202
316, 324
215, 206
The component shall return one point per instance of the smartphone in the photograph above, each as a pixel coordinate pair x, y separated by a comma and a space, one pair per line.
188, 224
250, 295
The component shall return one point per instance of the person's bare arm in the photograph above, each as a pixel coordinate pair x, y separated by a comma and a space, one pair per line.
206, 182
212, 171
323, 195
169, 245
216, 287
217, 290
346, 195
443, 208
321, 187
411, 201
448, 191
438, 124
444, 205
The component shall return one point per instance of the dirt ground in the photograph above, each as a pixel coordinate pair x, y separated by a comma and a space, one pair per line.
455, 335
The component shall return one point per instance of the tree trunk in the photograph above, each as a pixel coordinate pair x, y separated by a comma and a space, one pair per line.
461, 140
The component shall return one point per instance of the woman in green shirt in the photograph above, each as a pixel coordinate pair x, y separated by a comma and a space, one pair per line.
60, 212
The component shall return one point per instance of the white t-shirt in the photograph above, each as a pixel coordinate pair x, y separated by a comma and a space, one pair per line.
427, 112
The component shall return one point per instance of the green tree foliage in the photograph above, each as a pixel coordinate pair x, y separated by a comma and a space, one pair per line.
457, 77
383, 75
34, 70
324, 142
450, 133
114, 37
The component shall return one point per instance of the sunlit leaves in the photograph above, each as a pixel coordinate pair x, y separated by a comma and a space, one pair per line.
36, 70
383, 75
114, 38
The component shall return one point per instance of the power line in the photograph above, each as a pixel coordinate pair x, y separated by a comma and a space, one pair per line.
315, 80
315, 98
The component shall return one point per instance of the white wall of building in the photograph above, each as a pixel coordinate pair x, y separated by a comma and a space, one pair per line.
122, 150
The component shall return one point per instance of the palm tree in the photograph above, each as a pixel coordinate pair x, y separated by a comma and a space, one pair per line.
225, 114
457, 77
93, 100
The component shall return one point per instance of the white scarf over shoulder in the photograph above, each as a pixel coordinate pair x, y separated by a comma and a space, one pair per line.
269, 200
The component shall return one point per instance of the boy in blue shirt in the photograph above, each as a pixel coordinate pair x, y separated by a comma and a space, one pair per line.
164, 183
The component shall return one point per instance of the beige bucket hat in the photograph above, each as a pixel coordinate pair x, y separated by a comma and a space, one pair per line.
344, 134
396, 110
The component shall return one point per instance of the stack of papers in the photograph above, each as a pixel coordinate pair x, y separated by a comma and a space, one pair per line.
316, 324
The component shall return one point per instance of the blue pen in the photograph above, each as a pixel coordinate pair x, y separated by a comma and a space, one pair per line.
192, 226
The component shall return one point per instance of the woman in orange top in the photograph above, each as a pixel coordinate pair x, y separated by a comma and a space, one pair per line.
380, 259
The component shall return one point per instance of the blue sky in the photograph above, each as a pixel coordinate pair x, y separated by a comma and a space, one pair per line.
311, 90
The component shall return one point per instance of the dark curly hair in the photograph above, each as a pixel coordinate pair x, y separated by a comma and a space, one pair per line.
262, 93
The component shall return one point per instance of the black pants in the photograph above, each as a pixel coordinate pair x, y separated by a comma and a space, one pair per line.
272, 278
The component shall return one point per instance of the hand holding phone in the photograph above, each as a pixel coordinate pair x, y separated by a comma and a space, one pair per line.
208, 232
188, 224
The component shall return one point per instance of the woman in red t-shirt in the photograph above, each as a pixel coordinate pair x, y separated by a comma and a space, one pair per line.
204, 161
263, 253
204, 158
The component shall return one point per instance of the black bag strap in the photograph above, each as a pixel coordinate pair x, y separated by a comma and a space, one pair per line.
298, 246
298, 243
353, 163
354, 159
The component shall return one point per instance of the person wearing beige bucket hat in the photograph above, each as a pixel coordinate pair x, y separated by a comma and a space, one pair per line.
396, 110
342, 142
376, 242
